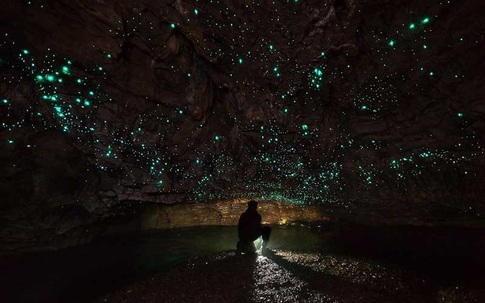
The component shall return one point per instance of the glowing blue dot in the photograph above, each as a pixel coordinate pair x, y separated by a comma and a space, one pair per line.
196, 11
240, 60
172, 25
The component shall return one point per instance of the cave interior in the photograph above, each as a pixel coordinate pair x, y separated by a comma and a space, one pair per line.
123, 116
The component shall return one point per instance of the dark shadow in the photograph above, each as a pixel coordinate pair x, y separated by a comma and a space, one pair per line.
448, 254
225, 277
84, 273
70, 275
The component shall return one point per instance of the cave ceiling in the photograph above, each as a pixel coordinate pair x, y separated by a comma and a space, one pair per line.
328, 102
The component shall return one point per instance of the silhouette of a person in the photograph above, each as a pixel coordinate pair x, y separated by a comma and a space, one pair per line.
249, 229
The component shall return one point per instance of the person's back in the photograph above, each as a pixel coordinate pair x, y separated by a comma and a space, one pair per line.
249, 229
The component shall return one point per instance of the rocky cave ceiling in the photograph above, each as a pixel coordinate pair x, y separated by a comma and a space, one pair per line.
361, 104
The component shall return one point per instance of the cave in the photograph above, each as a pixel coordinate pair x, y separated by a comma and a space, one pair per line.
133, 134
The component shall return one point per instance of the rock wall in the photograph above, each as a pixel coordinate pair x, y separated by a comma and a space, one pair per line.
226, 213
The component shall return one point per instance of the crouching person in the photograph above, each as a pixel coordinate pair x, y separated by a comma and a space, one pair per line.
250, 228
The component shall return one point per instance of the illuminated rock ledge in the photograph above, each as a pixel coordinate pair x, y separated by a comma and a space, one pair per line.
226, 213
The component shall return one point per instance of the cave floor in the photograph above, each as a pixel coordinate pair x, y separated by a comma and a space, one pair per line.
352, 264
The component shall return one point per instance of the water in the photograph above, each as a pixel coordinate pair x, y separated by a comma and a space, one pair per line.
444, 264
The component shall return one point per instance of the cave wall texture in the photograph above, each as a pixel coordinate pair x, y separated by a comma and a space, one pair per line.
370, 109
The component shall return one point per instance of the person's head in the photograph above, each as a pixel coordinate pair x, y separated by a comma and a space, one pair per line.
252, 205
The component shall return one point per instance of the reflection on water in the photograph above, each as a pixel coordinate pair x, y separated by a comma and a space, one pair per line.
442, 264
270, 276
